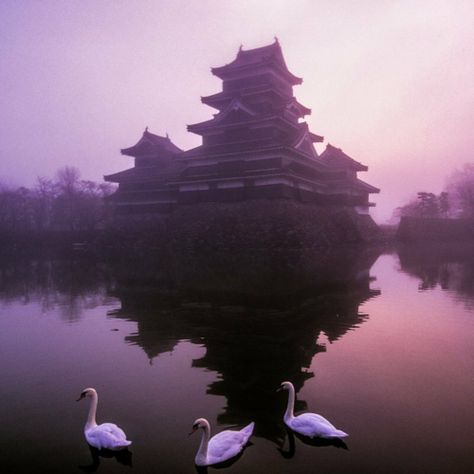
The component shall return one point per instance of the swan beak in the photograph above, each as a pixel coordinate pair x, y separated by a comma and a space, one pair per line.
192, 432
279, 389
81, 397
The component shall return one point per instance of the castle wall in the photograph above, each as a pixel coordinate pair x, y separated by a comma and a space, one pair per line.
424, 229
251, 224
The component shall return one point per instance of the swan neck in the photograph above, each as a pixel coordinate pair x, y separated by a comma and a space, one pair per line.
291, 404
201, 455
91, 423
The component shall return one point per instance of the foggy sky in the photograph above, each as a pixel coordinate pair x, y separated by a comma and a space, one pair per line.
390, 82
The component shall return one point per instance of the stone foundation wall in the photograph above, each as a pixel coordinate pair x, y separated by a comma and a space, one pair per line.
263, 223
424, 229
235, 226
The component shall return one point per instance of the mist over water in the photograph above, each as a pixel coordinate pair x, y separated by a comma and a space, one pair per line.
380, 345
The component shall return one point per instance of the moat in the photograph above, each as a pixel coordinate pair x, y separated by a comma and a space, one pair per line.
379, 344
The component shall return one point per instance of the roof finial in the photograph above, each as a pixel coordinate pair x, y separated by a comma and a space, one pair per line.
241, 47
167, 136
276, 40
146, 130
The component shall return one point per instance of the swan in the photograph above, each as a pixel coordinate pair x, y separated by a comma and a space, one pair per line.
307, 424
106, 435
222, 446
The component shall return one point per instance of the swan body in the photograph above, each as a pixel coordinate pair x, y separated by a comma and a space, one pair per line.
308, 424
222, 446
106, 435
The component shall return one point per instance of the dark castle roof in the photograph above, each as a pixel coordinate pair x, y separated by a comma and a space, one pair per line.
252, 58
336, 158
151, 144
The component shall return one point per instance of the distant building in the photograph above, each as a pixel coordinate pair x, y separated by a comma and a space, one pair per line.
256, 146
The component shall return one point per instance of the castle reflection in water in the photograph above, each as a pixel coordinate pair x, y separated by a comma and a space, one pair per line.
260, 320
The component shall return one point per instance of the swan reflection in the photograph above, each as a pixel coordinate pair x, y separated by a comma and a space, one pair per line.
123, 457
318, 442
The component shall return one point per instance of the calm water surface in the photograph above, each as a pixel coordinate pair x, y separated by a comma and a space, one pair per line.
383, 347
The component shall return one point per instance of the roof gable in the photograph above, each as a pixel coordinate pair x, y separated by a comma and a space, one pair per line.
304, 143
270, 54
235, 112
336, 158
235, 108
151, 144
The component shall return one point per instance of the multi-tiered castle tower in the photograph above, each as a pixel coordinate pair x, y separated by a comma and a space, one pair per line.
257, 146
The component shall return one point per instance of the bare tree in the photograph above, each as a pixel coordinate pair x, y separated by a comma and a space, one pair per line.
64, 203
46, 191
67, 205
68, 179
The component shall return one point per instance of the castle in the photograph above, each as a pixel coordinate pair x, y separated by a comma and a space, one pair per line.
257, 146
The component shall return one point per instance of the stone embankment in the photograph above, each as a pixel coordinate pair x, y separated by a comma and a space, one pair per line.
233, 227
236, 226
424, 229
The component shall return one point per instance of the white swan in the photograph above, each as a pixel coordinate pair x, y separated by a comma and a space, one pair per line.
221, 447
307, 424
106, 435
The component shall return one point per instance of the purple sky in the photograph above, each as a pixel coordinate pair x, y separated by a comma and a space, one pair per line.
390, 82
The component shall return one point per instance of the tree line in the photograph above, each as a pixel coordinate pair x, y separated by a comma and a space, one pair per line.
63, 203
456, 201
